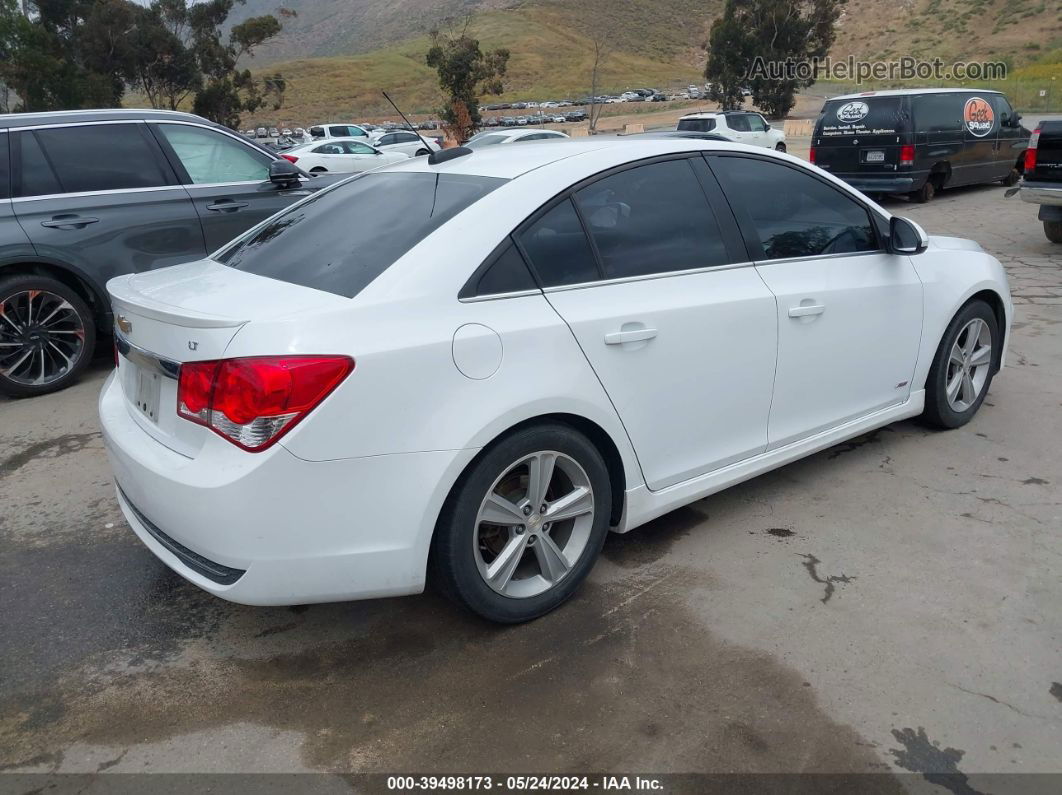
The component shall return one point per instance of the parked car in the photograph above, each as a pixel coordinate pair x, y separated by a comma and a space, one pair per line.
89, 195
688, 134
523, 135
400, 369
286, 132
322, 131
1042, 180
741, 126
508, 121
559, 118
575, 115
408, 143
658, 97
920, 141
341, 154
521, 121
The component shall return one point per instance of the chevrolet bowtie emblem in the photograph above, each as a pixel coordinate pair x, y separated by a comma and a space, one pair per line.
124, 324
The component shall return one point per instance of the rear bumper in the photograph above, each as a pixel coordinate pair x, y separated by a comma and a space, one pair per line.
1041, 193
883, 184
272, 529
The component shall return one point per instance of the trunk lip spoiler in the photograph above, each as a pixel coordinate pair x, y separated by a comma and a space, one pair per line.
125, 299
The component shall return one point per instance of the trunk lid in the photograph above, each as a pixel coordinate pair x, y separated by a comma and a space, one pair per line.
190, 313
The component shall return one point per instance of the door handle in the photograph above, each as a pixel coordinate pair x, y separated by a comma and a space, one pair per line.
805, 311
226, 206
70, 222
633, 335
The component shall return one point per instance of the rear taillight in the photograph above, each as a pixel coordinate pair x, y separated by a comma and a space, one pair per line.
1030, 154
907, 155
252, 402
811, 155
291, 158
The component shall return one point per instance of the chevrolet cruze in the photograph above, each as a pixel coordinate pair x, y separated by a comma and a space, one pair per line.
471, 367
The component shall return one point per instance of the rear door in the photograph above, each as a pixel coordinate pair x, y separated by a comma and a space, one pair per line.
939, 133
861, 136
680, 332
14, 245
849, 314
102, 199
227, 179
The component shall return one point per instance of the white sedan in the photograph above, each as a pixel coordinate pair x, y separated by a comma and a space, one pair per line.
473, 366
509, 136
342, 155
409, 143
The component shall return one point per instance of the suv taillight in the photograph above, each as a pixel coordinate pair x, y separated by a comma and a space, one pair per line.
1030, 154
252, 402
907, 155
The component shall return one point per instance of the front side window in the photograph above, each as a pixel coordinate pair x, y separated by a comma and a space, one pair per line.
342, 238
387, 139
213, 157
356, 148
793, 213
651, 219
756, 123
697, 125
558, 248
88, 158
739, 122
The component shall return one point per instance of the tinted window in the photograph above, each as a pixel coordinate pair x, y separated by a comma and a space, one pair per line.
210, 156
342, 238
863, 116
5, 171
1004, 112
558, 248
317, 132
508, 274
329, 149
697, 125
738, 122
793, 213
387, 139
756, 123
651, 219
89, 158
938, 112
356, 148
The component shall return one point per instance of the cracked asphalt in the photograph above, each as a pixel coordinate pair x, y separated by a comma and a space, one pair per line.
890, 604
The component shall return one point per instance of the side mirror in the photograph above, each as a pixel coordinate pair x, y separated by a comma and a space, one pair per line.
906, 237
284, 173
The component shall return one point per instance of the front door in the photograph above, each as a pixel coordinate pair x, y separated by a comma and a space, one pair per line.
227, 179
681, 335
849, 314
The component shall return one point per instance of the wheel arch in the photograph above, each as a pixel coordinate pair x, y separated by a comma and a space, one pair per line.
995, 302
70, 277
941, 172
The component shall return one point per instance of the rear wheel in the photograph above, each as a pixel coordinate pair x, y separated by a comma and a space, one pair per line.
1053, 230
47, 335
1012, 178
524, 525
421, 152
318, 170
962, 369
780, 147
925, 193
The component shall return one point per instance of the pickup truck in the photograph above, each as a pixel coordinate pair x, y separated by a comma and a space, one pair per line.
1042, 181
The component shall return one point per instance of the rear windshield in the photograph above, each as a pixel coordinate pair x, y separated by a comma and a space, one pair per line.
697, 125
342, 238
863, 116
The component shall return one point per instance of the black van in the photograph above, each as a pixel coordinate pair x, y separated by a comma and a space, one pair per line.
917, 141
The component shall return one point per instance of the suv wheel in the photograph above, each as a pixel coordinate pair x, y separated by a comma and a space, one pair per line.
524, 525
47, 335
1053, 230
780, 147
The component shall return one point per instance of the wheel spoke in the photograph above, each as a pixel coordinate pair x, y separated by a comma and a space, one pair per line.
62, 307
954, 385
956, 357
501, 569
968, 390
973, 332
59, 350
981, 356
498, 510
11, 369
540, 473
551, 561
575, 503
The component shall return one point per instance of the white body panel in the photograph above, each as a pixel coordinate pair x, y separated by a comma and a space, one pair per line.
345, 505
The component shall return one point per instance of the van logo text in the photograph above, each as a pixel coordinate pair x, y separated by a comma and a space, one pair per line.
853, 112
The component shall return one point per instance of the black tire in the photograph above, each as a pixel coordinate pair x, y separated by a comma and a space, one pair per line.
318, 170
1053, 230
938, 412
11, 287
780, 147
421, 152
1012, 178
452, 564
925, 193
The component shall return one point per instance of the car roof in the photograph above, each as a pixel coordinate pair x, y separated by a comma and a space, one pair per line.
17, 120
910, 92
711, 114
510, 162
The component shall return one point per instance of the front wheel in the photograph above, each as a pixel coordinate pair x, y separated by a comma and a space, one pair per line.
421, 152
47, 335
1012, 178
780, 147
962, 368
1053, 230
524, 525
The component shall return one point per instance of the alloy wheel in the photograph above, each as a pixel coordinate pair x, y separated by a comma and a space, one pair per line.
968, 365
42, 337
534, 524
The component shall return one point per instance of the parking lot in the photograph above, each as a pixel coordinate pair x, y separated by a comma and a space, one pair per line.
889, 604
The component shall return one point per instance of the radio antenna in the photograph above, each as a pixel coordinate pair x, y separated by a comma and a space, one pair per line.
410, 126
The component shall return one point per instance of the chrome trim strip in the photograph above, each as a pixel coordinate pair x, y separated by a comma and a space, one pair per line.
146, 359
649, 276
499, 296
86, 193
821, 256
95, 123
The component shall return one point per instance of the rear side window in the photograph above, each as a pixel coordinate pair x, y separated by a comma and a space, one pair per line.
863, 116
558, 248
486, 140
342, 238
317, 132
651, 219
938, 112
697, 125
803, 217
5, 169
90, 158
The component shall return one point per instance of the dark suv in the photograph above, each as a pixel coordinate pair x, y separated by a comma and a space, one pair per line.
918, 141
88, 195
